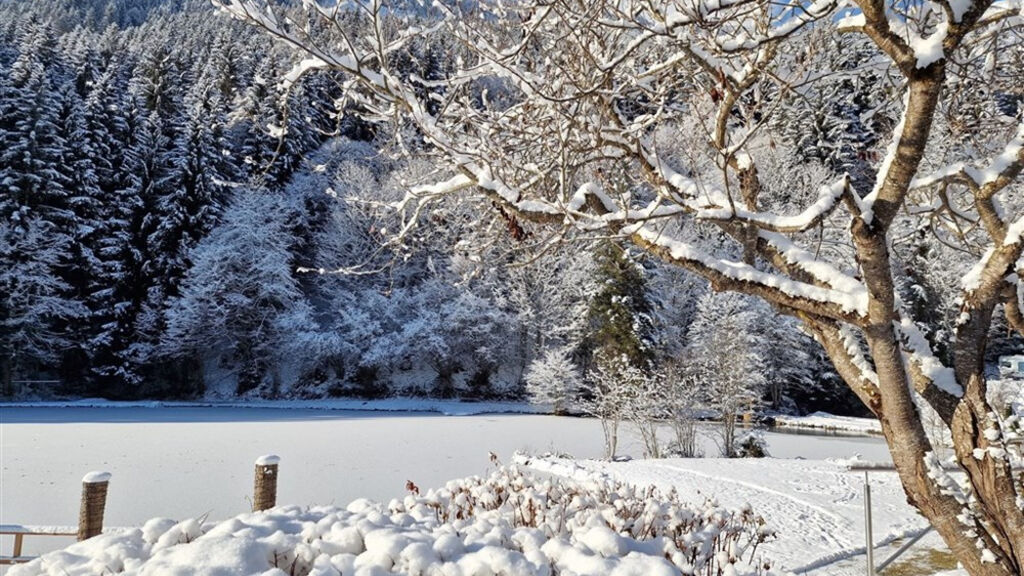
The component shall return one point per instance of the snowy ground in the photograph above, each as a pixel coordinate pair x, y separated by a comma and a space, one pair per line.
509, 523
816, 506
187, 462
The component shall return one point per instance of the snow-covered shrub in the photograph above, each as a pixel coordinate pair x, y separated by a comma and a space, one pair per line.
647, 409
612, 384
509, 523
752, 445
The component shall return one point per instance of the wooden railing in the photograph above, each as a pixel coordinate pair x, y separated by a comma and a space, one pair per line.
20, 531
93, 503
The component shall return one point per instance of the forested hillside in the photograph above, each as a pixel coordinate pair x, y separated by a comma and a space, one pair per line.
176, 221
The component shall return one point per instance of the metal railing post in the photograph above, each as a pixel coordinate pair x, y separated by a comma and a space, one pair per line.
869, 539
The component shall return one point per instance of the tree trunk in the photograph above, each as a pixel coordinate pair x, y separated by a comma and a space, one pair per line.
729, 433
996, 525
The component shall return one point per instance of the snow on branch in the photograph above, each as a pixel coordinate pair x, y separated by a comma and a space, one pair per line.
1005, 166
992, 177
919, 353
1014, 233
867, 203
810, 217
820, 270
949, 173
741, 277
856, 355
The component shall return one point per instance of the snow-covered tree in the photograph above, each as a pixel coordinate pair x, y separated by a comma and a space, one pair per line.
593, 83
33, 302
683, 403
554, 379
240, 296
620, 310
723, 355
610, 392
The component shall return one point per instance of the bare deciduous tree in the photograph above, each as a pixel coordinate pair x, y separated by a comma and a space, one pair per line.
643, 119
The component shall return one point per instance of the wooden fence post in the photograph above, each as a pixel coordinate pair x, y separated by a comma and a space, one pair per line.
94, 500
264, 494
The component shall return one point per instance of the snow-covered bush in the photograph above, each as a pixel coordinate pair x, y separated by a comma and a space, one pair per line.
509, 523
647, 408
752, 445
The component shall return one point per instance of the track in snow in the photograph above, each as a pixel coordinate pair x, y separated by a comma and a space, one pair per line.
816, 506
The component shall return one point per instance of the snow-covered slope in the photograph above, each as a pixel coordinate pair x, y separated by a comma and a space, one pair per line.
818, 506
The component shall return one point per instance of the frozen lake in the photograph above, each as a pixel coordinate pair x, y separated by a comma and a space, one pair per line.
185, 462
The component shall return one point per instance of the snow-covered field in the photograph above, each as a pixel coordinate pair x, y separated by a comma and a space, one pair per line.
189, 462
816, 506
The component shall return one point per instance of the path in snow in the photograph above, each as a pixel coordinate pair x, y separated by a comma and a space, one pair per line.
816, 506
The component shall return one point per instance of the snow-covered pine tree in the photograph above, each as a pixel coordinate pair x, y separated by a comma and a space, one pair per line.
620, 311
120, 288
78, 174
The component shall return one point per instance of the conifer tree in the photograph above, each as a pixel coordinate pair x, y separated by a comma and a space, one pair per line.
620, 312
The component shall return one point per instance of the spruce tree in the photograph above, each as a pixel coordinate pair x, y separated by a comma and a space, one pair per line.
620, 312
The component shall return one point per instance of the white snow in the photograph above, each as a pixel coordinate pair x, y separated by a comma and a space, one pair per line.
959, 8
739, 271
851, 22
868, 202
1014, 232
201, 460
507, 523
972, 279
424, 405
921, 354
929, 50
96, 478
817, 506
276, 131
826, 421
1011, 153
827, 198
268, 460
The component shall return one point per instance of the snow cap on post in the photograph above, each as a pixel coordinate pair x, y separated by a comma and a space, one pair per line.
264, 494
268, 459
94, 501
96, 477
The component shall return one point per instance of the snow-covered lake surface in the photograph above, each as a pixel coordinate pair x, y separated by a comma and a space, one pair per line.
183, 462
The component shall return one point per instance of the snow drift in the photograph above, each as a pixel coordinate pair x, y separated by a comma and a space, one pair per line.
510, 523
